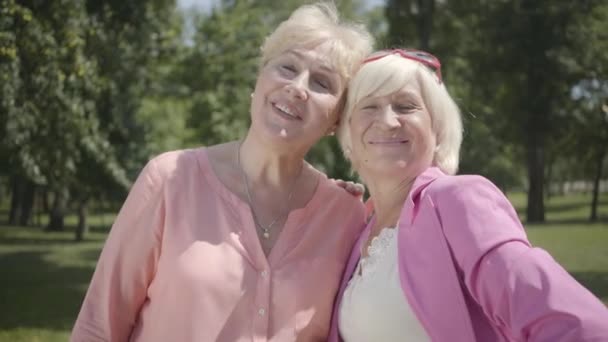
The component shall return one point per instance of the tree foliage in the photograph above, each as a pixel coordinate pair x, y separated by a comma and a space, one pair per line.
511, 66
74, 74
91, 89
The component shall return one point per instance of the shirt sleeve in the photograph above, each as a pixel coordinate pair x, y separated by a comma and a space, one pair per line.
521, 289
126, 265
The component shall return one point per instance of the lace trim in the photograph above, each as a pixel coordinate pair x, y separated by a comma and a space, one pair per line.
377, 249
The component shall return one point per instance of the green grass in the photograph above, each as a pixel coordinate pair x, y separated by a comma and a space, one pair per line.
43, 279
44, 276
574, 208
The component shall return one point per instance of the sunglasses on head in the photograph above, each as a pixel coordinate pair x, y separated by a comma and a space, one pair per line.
425, 58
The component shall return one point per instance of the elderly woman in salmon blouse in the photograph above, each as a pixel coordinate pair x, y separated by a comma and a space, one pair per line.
444, 258
240, 241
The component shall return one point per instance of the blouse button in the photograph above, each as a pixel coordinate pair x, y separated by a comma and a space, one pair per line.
261, 312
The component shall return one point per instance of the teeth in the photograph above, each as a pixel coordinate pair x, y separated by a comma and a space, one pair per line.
285, 110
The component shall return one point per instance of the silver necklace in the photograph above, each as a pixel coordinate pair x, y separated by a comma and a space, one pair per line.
265, 229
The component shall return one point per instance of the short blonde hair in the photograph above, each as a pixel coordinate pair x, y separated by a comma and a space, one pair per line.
311, 25
389, 74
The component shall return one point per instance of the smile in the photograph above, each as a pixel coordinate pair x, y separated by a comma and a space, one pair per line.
285, 111
388, 142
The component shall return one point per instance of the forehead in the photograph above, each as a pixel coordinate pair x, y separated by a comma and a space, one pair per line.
409, 90
317, 55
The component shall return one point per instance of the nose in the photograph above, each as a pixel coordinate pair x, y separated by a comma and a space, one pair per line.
297, 87
389, 119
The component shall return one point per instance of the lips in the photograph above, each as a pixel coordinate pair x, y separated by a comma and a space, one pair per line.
287, 111
389, 142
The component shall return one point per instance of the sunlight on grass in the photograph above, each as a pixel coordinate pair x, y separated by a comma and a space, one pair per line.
33, 335
581, 249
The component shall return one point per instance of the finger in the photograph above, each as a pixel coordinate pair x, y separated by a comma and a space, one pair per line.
360, 188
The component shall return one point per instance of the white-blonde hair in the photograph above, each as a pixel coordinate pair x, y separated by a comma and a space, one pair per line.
389, 74
314, 24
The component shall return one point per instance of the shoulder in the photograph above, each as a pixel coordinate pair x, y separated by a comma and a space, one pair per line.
178, 163
466, 191
333, 198
168, 166
473, 213
168, 163
332, 190
461, 185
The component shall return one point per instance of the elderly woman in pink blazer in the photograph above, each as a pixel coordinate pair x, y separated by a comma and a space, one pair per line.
444, 258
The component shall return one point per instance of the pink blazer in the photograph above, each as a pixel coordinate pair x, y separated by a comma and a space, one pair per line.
470, 274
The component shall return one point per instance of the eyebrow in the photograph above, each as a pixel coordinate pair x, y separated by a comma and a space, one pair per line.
323, 66
400, 93
407, 93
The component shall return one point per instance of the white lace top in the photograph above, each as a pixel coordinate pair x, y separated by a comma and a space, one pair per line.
374, 307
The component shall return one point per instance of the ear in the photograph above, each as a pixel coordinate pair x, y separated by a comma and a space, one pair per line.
332, 129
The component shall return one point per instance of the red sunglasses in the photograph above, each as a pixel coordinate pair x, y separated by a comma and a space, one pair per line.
428, 60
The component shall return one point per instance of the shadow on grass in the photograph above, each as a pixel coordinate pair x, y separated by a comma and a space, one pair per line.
36, 293
38, 236
596, 282
602, 220
46, 242
573, 205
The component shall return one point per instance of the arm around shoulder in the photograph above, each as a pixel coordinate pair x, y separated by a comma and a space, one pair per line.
522, 290
126, 265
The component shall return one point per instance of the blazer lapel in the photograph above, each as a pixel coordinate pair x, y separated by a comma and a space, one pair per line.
428, 277
334, 334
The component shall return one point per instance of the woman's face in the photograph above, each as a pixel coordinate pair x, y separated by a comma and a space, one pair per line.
392, 135
295, 97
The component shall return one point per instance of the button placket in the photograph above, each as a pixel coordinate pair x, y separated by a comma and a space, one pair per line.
262, 304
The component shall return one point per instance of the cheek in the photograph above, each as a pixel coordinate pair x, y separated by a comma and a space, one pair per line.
358, 127
327, 110
258, 92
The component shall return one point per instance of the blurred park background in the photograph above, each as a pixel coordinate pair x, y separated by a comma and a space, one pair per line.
91, 89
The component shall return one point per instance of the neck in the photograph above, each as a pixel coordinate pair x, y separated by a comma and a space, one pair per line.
389, 197
269, 166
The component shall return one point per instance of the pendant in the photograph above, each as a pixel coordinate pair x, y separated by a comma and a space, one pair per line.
266, 234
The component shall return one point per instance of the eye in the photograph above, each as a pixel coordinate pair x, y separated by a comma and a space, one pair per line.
288, 69
369, 106
322, 84
404, 107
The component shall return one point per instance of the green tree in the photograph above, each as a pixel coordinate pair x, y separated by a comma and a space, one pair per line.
532, 69
47, 83
74, 76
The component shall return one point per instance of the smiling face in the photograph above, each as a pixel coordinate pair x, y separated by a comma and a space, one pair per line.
392, 135
295, 98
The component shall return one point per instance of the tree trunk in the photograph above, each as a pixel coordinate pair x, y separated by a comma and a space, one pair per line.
596, 183
57, 212
426, 9
549, 178
17, 188
45, 200
83, 227
535, 211
27, 205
